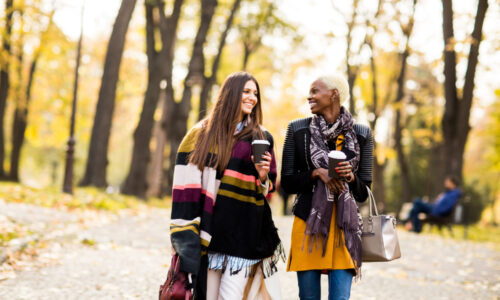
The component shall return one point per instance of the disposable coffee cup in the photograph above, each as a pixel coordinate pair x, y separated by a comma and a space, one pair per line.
259, 148
334, 158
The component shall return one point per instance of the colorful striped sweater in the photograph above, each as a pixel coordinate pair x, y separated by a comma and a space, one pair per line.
221, 212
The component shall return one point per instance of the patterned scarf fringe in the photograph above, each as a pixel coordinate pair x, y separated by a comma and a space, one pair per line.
358, 276
340, 243
315, 241
219, 261
270, 264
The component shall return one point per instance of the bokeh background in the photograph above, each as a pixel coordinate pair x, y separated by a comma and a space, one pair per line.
149, 68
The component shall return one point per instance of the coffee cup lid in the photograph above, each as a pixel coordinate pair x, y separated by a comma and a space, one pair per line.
337, 154
265, 142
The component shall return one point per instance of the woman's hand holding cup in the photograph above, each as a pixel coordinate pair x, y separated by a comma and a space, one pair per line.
344, 169
261, 158
264, 166
338, 171
333, 184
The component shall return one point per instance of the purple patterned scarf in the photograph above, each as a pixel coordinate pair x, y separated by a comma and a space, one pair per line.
348, 218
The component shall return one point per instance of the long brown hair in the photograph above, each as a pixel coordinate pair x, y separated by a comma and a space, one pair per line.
218, 128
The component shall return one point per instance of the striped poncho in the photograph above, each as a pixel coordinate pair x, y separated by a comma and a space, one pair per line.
222, 212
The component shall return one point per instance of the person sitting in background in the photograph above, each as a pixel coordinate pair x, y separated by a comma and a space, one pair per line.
443, 206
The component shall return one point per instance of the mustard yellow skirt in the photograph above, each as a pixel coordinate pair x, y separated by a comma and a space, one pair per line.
300, 259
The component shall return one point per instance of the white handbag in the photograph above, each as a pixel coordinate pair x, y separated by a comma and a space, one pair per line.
379, 238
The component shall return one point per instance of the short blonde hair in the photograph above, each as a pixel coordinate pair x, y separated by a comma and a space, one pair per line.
336, 81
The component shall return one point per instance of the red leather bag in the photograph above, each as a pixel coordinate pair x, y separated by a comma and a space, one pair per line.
177, 286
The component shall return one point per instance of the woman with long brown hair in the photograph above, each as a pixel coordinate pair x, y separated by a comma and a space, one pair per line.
221, 225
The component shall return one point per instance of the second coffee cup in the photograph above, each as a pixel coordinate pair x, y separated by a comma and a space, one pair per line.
334, 158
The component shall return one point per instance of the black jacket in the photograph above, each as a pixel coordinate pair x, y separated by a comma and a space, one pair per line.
297, 166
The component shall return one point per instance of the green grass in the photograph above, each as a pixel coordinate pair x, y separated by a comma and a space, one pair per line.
475, 232
83, 198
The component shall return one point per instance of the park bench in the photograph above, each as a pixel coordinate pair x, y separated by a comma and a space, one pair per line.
458, 215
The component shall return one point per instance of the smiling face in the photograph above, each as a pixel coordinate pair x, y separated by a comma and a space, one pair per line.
248, 98
320, 98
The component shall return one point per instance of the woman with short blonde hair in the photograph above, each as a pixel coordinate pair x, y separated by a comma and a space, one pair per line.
326, 233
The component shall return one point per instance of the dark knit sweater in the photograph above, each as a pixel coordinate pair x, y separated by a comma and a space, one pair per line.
242, 223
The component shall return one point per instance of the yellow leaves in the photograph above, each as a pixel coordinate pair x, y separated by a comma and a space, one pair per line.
88, 242
31, 133
397, 105
84, 198
383, 152
497, 93
421, 133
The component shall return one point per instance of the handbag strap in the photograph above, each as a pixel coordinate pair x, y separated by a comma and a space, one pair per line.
372, 202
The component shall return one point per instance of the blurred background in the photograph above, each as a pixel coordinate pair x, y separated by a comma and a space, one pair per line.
423, 75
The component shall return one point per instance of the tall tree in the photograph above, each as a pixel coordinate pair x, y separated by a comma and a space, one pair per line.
398, 107
160, 64
376, 108
155, 171
209, 82
179, 111
97, 161
455, 122
4, 77
20, 97
22, 107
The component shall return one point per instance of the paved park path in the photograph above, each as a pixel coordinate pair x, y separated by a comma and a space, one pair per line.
125, 256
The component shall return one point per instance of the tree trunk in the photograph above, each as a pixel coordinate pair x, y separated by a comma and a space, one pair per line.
97, 161
246, 56
22, 109
179, 113
210, 81
19, 125
21, 103
435, 171
398, 135
378, 185
378, 169
159, 62
398, 127
351, 79
450, 92
402, 161
4, 78
455, 120
169, 164
155, 165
